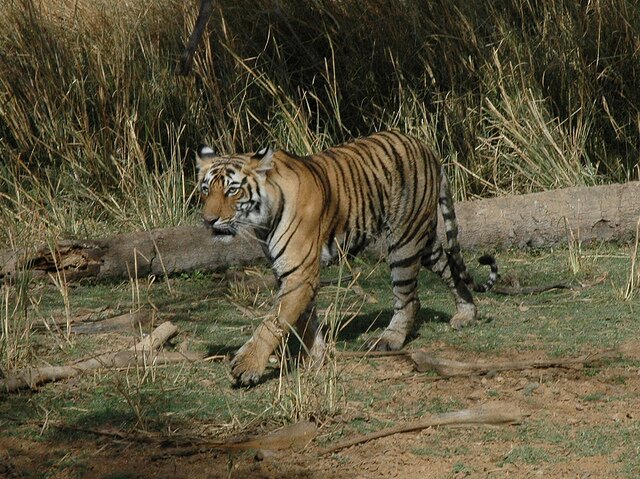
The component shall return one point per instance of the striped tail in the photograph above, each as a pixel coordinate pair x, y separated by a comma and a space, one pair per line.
453, 247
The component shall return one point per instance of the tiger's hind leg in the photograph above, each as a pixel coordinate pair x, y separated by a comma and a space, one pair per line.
404, 263
444, 264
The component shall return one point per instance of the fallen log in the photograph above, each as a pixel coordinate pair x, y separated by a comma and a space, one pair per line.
157, 338
142, 353
158, 252
591, 214
490, 413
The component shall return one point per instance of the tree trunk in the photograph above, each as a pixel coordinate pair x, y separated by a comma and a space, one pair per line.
186, 59
599, 213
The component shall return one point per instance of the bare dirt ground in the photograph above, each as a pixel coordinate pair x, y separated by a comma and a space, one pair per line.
570, 432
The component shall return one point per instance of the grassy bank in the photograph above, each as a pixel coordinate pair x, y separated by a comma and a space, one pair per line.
104, 423
96, 129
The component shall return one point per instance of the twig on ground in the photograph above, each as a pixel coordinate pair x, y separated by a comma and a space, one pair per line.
517, 289
215, 357
125, 322
82, 316
246, 312
373, 354
424, 361
490, 413
448, 368
345, 279
295, 437
32, 377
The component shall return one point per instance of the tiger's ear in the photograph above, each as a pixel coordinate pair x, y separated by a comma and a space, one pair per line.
203, 155
264, 157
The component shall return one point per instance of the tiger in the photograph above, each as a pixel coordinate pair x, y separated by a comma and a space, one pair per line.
304, 210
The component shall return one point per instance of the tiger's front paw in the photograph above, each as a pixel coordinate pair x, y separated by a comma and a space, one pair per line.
247, 367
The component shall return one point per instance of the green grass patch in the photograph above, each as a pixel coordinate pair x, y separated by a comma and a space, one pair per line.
217, 312
527, 454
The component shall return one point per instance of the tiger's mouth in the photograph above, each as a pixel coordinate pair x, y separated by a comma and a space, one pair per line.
223, 231
220, 229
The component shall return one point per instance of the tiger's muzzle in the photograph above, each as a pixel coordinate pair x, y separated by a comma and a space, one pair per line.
217, 228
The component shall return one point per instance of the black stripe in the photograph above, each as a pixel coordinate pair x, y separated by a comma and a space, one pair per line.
404, 282
379, 160
354, 196
283, 249
277, 217
298, 266
404, 262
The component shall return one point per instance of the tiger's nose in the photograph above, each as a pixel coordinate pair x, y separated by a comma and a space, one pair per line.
209, 221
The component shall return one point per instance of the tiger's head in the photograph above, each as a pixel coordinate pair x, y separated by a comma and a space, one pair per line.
232, 189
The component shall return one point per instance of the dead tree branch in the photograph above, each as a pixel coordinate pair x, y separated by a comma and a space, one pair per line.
490, 413
186, 59
142, 353
448, 368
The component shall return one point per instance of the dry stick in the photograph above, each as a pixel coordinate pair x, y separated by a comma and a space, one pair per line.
516, 290
85, 316
373, 354
490, 413
520, 290
125, 322
336, 281
448, 368
32, 377
296, 436
186, 59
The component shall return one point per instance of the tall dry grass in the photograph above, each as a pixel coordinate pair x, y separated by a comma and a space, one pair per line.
96, 129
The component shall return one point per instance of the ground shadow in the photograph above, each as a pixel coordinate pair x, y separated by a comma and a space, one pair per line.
376, 320
351, 331
222, 349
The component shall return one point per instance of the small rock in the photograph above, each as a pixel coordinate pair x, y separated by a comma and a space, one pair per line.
529, 388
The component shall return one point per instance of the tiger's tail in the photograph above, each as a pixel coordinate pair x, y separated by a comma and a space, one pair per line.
453, 247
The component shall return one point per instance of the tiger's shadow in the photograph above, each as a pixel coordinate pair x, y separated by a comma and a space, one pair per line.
374, 322
362, 325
